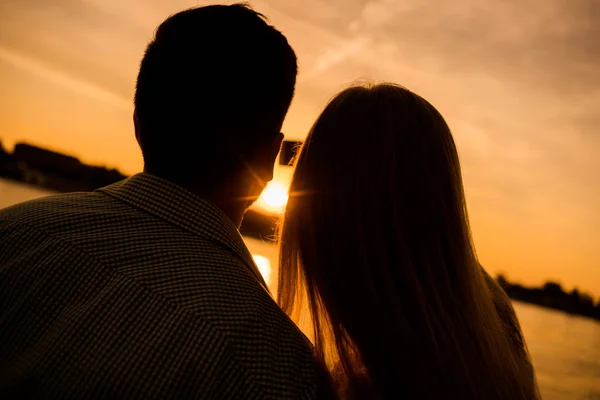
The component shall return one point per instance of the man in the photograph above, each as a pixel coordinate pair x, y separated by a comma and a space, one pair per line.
145, 289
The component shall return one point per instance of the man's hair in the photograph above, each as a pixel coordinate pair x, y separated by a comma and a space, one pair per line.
214, 83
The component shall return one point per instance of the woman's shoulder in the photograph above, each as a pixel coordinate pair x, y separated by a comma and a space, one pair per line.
500, 297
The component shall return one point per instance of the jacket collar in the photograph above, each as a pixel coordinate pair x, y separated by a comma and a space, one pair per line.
178, 206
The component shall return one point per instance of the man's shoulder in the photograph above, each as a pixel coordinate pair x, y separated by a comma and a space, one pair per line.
118, 325
202, 307
215, 286
201, 275
123, 269
213, 283
53, 211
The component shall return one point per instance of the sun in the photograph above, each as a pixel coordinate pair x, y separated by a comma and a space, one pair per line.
273, 198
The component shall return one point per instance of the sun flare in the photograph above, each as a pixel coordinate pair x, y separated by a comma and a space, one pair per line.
274, 198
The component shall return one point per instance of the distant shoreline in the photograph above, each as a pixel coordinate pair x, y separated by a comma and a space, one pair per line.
551, 295
48, 170
54, 171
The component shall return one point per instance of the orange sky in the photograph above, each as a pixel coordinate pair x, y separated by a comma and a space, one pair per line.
518, 82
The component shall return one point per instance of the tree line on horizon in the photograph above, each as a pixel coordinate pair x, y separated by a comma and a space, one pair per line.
52, 170
552, 295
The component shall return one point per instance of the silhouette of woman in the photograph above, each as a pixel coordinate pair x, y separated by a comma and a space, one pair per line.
376, 244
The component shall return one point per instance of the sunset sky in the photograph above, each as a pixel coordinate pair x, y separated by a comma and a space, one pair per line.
518, 82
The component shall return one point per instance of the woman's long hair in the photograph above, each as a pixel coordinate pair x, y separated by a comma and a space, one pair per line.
376, 239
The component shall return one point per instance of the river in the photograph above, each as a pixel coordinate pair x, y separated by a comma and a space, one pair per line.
565, 349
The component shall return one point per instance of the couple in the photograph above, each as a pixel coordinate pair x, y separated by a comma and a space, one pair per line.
145, 289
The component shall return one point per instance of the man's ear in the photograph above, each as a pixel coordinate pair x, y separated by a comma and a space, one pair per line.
136, 126
277, 141
268, 156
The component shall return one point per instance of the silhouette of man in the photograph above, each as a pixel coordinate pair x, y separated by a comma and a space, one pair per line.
145, 289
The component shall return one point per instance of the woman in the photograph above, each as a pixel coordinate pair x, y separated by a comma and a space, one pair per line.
376, 238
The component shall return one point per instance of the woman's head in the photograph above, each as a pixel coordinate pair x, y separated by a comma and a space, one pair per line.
376, 236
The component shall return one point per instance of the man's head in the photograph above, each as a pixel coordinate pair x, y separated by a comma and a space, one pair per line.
212, 92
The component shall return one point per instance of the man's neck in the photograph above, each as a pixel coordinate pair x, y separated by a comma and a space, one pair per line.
234, 209
228, 198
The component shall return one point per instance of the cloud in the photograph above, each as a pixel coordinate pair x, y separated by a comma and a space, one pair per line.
522, 70
336, 56
70, 82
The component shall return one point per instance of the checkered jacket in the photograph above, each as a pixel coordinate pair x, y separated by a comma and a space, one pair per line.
139, 290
